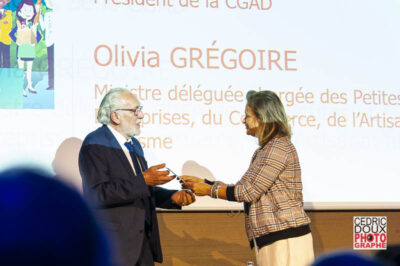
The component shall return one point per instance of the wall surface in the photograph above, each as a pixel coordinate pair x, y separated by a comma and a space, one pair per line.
219, 238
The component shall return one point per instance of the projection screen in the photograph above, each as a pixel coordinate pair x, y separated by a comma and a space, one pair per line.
334, 64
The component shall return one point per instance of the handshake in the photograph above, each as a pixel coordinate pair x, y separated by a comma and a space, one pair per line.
190, 184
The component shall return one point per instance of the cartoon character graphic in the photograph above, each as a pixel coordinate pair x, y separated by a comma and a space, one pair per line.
46, 22
5, 29
26, 35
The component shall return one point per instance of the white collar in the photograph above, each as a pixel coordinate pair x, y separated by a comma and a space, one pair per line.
121, 139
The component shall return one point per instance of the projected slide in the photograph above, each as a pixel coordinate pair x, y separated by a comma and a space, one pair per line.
334, 64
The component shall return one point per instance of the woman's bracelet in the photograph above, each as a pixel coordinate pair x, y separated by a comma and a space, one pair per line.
214, 191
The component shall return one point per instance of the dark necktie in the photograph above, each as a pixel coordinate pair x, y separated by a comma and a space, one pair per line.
134, 157
138, 170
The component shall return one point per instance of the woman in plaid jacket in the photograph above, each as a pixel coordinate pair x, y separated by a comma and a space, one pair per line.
271, 189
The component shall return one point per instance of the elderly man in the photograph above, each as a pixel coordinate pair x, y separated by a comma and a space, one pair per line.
117, 180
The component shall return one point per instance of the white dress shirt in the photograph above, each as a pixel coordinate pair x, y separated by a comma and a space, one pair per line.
121, 141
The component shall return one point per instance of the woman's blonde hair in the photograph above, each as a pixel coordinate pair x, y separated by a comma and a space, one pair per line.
270, 112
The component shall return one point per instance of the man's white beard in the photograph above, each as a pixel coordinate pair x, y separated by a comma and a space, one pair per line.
133, 133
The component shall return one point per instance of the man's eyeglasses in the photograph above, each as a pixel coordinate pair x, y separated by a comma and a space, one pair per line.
136, 111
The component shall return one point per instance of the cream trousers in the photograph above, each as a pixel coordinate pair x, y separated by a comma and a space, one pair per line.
296, 251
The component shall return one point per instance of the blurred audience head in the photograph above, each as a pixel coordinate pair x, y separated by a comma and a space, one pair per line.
391, 255
44, 222
346, 258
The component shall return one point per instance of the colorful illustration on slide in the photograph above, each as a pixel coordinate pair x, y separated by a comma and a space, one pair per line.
26, 54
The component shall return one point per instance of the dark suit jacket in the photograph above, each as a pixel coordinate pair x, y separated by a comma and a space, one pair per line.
119, 195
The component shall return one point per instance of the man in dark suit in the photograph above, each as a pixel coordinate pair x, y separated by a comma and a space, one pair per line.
123, 189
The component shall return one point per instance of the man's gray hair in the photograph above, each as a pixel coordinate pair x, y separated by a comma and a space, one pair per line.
111, 101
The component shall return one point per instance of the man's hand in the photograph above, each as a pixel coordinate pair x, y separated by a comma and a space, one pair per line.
183, 197
154, 177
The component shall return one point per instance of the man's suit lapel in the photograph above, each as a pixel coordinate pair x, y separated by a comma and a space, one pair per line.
117, 150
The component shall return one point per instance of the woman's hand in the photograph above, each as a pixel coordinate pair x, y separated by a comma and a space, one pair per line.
193, 179
200, 189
